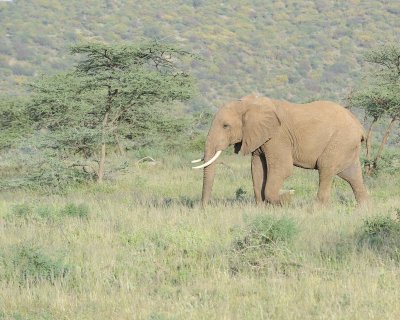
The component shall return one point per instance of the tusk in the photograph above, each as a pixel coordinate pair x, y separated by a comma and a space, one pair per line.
217, 154
198, 160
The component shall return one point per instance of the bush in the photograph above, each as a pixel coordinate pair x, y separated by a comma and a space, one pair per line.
27, 212
73, 210
30, 168
263, 243
240, 194
14, 121
382, 235
197, 143
267, 231
389, 162
28, 264
46, 213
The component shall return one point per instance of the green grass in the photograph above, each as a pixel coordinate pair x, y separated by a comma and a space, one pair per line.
141, 247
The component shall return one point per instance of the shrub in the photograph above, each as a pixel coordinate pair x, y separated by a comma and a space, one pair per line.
47, 213
197, 143
240, 194
389, 162
263, 243
382, 235
28, 212
73, 210
28, 264
21, 211
27, 167
267, 231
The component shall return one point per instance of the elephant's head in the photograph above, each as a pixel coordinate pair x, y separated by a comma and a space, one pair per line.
246, 123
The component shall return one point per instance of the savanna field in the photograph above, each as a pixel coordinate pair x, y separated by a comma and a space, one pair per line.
103, 105
141, 247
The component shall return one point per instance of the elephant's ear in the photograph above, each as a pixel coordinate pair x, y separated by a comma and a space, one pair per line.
260, 124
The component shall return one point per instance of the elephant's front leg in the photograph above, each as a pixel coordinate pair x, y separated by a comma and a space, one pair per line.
273, 186
278, 170
259, 174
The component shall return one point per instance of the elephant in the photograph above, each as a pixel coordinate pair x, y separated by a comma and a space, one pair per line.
279, 135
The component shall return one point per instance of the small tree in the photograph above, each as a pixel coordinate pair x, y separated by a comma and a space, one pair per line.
111, 93
380, 98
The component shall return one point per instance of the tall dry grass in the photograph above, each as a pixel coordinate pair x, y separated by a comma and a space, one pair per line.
142, 248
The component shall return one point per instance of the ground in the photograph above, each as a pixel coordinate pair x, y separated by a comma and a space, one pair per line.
141, 247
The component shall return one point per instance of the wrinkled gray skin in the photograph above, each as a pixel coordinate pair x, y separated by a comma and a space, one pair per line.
279, 135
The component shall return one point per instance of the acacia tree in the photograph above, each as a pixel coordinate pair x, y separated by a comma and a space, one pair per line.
111, 93
14, 123
380, 97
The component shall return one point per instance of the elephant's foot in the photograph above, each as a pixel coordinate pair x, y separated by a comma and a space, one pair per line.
274, 202
318, 204
286, 196
362, 199
322, 201
361, 194
272, 198
279, 198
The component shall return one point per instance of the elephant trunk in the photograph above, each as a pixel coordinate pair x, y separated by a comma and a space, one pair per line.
208, 175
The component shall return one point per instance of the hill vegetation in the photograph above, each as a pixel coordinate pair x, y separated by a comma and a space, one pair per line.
294, 49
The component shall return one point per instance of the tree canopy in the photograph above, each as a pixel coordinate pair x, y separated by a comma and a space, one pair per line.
380, 96
114, 94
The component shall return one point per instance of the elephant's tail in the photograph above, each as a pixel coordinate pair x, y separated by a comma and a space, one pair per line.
360, 126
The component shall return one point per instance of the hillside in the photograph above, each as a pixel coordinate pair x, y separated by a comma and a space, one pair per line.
293, 49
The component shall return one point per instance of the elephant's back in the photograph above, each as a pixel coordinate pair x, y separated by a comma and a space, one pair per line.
324, 116
319, 127
346, 121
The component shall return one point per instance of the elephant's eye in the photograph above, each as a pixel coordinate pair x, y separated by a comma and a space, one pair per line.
226, 125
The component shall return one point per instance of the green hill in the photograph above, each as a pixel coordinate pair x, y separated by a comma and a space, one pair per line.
293, 49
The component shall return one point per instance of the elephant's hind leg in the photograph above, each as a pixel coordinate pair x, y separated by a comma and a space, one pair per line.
353, 175
325, 184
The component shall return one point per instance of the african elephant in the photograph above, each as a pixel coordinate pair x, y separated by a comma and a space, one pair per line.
319, 135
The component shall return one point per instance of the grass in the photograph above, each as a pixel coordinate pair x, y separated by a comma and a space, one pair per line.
142, 248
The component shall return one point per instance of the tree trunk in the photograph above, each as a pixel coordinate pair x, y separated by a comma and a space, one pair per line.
100, 173
368, 143
120, 147
383, 142
102, 161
